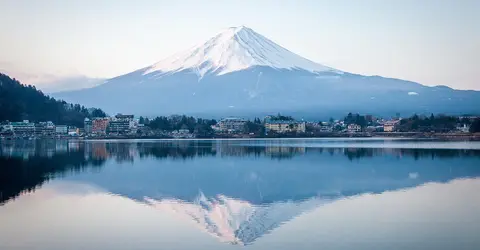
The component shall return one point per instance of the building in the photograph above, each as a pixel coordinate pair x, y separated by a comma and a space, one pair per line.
390, 126
73, 131
99, 126
354, 128
118, 127
122, 124
61, 129
280, 126
45, 128
87, 126
325, 127
124, 117
464, 129
23, 128
232, 125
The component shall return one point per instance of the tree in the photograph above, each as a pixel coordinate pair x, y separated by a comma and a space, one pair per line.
254, 127
25, 102
475, 126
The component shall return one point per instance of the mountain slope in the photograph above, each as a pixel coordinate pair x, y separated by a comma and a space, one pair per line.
69, 84
240, 72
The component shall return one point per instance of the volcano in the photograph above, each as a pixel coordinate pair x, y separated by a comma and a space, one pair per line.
239, 72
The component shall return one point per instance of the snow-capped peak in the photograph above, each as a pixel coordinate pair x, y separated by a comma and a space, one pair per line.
234, 49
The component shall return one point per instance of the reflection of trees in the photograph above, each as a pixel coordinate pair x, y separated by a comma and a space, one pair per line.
24, 165
19, 175
190, 149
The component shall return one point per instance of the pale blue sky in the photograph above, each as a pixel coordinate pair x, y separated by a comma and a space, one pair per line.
434, 42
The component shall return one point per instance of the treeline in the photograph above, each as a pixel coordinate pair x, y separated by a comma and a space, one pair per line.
256, 127
24, 102
202, 127
355, 119
436, 123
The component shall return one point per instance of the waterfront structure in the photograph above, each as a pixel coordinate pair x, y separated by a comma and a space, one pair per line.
354, 128
281, 126
23, 128
99, 126
325, 127
118, 127
61, 129
232, 125
44, 128
87, 126
390, 126
464, 129
122, 124
73, 131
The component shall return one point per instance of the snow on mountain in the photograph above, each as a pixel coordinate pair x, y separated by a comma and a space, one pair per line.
236, 48
235, 221
241, 73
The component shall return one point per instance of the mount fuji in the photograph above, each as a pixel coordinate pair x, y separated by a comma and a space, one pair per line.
240, 72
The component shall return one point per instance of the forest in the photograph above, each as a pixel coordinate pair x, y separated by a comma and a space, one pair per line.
24, 102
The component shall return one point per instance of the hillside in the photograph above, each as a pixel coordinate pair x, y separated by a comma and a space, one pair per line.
21, 102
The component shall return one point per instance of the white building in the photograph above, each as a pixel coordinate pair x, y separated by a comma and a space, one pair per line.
354, 128
23, 128
390, 126
284, 126
464, 129
232, 125
61, 129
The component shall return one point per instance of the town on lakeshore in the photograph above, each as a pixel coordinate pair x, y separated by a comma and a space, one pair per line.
273, 126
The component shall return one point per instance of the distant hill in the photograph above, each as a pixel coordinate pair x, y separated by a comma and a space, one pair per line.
21, 102
69, 84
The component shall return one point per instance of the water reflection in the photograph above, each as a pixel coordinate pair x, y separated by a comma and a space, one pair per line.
237, 191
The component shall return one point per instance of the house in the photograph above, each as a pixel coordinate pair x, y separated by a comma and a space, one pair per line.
325, 127
281, 126
390, 126
464, 129
354, 128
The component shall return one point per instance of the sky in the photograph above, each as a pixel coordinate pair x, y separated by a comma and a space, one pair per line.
433, 42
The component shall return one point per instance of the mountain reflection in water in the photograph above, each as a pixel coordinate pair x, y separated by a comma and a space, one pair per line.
235, 190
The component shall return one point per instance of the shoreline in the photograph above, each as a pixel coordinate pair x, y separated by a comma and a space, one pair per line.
377, 135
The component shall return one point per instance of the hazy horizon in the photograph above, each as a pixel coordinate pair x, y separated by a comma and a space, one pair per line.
429, 42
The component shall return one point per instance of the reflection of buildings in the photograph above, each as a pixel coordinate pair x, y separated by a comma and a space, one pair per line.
286, 152
242, 198
189, 149
30, 148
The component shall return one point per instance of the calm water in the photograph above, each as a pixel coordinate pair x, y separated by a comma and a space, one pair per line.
232, 194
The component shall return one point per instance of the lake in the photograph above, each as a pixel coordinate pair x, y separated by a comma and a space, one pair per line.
232, 194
